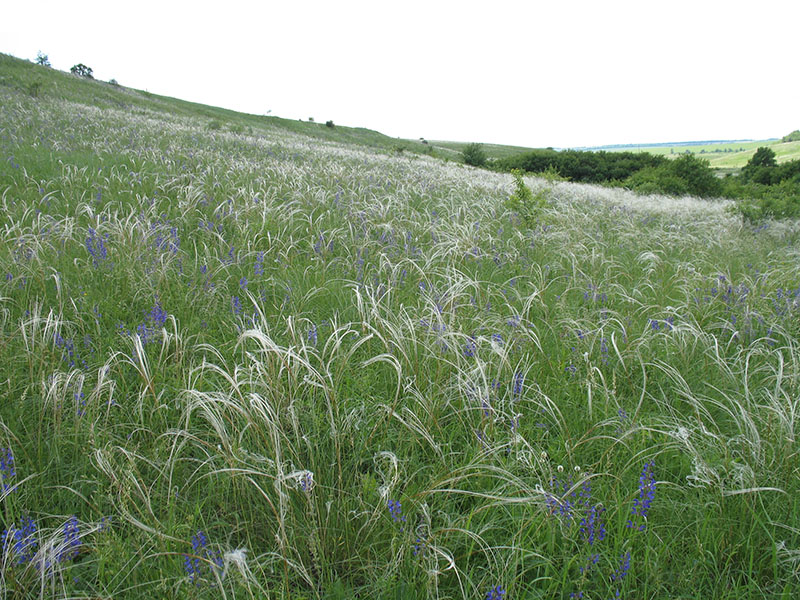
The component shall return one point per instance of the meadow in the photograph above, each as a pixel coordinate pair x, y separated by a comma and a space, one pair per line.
258, 362
725, 156
453, 150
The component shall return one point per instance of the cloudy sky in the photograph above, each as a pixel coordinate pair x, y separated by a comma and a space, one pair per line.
531, 73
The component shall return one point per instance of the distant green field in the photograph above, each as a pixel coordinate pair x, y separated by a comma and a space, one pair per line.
719, 148
729, 155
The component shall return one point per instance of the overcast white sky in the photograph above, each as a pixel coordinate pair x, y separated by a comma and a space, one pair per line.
532, 73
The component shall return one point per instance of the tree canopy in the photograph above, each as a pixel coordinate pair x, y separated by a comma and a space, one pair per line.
82, 71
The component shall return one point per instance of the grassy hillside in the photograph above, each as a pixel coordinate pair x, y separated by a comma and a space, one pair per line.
41, 82
260, 361
454, 149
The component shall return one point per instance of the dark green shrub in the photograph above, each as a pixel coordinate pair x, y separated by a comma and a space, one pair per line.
329, 124
764, 157
81, 70
552, 175
582, 166
759, 202
788, 171
684, 175
763, 168
42, 59
657, 180
760, 168
696, 172
474, 155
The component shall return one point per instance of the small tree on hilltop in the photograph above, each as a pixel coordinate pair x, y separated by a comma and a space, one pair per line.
82, 70
474, 155
792, 137
42, 59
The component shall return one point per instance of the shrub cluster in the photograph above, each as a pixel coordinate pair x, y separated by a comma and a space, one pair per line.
474, 155
681, 176
765, 188
82, 71
582, 166
758, 202
763, 168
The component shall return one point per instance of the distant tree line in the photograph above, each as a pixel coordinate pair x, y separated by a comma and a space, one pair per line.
764, 188
640, 171
582, 166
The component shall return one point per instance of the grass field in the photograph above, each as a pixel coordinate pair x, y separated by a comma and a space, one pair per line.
727, 157
20, 76
733, 155
453, 150
262, 361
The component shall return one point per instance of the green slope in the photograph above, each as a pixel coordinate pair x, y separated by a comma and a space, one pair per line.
44, 82
454, 149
